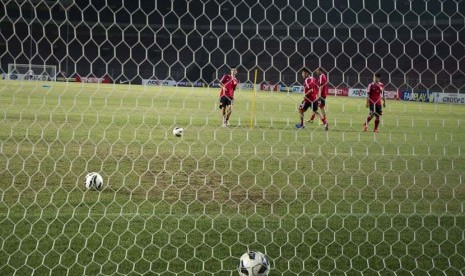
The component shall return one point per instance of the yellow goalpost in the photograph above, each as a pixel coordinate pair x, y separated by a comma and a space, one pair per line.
252, 113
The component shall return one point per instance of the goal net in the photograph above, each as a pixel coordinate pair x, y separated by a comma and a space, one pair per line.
32, 72
339, 202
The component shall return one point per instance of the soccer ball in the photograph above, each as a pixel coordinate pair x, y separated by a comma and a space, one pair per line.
178, 131
253, 263
93, 181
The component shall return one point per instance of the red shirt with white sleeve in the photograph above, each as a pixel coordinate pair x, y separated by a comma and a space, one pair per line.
229, 86
310, 89
375, 93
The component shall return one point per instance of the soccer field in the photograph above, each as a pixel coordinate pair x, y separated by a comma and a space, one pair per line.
342, 202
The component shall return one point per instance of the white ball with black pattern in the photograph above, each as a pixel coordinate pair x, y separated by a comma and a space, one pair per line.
178, 131
93, 181
253, 263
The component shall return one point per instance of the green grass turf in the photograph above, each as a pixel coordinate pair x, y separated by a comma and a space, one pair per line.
337, 202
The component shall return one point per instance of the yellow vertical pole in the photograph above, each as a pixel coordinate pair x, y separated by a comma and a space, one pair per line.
253, 98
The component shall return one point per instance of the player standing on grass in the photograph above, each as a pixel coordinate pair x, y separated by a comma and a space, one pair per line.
375, 93
29, 75
228, 84
322, 94
310, 98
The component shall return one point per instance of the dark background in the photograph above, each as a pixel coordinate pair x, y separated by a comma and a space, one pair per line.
417, 44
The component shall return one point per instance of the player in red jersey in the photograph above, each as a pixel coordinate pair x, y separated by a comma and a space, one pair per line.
310, 98
322, 94
375, 101
228, 84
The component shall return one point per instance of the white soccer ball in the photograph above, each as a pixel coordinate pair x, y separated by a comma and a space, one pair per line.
93, 181
178, 131
253, 263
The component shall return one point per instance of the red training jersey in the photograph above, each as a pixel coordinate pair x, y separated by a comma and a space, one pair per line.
310, 89
323, 82
375, 93
230, 84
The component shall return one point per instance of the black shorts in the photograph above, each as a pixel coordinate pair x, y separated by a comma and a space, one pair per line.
305, 105
225, 101
322, 101
376, 109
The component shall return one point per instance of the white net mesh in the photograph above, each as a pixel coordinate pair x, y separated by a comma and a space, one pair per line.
339, 202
